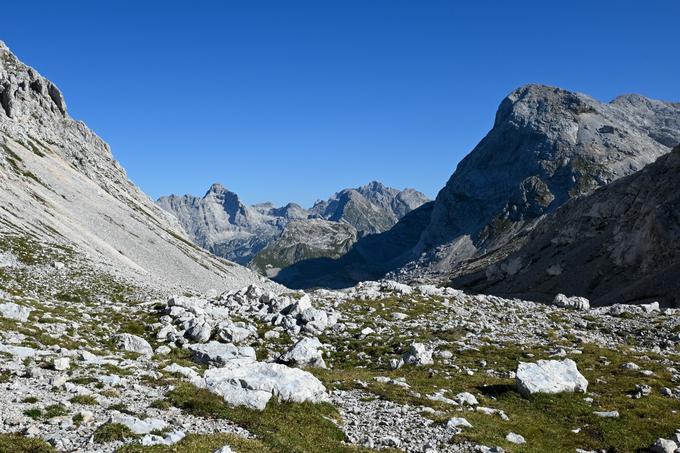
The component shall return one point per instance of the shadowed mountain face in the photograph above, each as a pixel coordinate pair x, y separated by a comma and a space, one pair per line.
547, 146
221, 223
620, 244
59, 183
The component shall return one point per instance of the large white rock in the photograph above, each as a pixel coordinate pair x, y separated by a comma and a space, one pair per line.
234, 333
418, 354
219, 354
299, 306
13, 311
133, 343
305, 352
549, 376
577, 303
252, 384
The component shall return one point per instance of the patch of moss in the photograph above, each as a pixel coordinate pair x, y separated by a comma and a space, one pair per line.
200, 443
17, 443
87, 400
111, 432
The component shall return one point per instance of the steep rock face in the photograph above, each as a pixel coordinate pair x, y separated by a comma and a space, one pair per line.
547, 146
371, 209
222, 224
303, 240
621, 244
59, 182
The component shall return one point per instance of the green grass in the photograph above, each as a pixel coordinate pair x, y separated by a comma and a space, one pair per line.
87, 400
200, 443
545, 421
55, 410
110, 432
33, 413
16, 443
282, 427
30, 400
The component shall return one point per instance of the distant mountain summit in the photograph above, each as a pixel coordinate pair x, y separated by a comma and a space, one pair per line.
222, 224
371, 209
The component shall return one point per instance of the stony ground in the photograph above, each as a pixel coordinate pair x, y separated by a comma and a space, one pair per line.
90, 362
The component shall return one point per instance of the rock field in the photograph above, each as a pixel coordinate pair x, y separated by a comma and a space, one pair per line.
91, 362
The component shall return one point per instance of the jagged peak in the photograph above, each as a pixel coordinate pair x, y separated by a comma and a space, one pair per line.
217, 188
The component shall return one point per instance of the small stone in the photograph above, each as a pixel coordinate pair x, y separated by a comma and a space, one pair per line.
61, 364
515, 438
457, 422
607, 414
133, 343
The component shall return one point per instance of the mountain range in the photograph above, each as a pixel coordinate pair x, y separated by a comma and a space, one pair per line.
556, 164
273, 238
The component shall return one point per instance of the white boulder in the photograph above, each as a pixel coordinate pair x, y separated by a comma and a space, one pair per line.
13, 311
418, 354
305, 352
577, 303
219, 354
252, 384
549, 376
133, 343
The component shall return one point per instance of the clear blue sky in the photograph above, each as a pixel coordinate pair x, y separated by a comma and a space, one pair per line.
293, 100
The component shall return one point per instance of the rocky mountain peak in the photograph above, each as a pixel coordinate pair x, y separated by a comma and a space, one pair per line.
547, 145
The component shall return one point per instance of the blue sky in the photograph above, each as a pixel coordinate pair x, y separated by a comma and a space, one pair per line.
293, 100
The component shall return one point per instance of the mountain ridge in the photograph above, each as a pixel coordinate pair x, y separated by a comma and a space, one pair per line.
61, 183
239, 232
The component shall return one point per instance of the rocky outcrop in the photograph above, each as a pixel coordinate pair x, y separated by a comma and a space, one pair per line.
617, 245
546, 147
304, 240
60, 183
